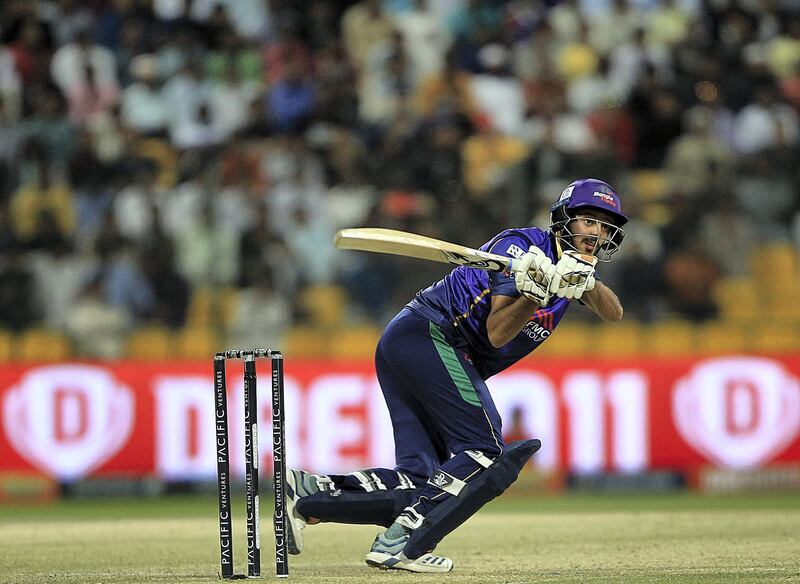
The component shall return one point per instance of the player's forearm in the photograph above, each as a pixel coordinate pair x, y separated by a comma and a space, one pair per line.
506, 322
603, 302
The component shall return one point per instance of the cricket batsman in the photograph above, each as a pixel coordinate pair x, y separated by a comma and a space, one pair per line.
432, 363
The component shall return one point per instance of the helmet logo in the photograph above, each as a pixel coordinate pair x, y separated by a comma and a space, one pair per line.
566, 193
605, 197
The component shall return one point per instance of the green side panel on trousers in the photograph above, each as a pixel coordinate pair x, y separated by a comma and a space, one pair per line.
454, 368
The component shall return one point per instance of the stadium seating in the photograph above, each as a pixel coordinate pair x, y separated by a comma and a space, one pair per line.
304, 342
6, 345
570, 340
737, 298
325, 304
619, 339
200, 307
775, 337
42, 344
197, 342
356, 342
670, 338
775, 264
150, 343
649, 184
717, 338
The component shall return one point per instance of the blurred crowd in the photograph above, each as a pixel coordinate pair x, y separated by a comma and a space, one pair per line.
153, 148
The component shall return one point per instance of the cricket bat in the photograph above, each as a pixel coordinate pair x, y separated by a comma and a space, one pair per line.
391, 241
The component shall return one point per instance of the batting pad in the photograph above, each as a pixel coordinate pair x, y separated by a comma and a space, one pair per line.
357, 507
454, 511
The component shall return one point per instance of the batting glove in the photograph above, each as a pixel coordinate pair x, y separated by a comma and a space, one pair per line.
574, 275
532, 275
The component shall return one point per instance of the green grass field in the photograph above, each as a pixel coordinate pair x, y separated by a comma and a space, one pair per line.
516, 539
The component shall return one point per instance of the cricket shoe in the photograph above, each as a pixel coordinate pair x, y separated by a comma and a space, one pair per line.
387, 554
298, 484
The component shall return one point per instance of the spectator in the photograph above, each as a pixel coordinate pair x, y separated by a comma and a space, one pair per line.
135, 206
290, 103
566, 20
766, 124
388, 81
614, 135
784, 50
171, 291
364, 26
236, 55
697, 162
498, 95
96, 328
590, 92
725, 228
125, 285
426, 37
536, 58
41, 202
474, 24
636, 272
229, 103
251, 116
48, 125
70, 19
86, 73
336, 89
447, 93
144, 106
657, 115
188, 99
308, 238
668, 24
768, 173
689, 278
18, 308
577, 58
10, 86
487, 158
615, 26
60, 275
31, 47
207, 253
262, 248
262, 314
133, 42
569, 132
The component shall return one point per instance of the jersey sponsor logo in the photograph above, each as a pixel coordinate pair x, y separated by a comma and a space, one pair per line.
535, 331
606, 198
540, 326
515, 251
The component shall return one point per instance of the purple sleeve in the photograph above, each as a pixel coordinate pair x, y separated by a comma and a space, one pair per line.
515, 246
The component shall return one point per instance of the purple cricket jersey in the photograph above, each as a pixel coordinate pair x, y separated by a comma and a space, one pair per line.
461, 302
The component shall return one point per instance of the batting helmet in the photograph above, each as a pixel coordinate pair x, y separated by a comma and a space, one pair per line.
589, 193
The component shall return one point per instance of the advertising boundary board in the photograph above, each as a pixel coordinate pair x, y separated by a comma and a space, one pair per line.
77, 420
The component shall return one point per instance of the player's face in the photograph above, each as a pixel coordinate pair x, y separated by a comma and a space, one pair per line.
590, 229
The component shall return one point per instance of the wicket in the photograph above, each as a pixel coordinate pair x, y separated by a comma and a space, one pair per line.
251, 458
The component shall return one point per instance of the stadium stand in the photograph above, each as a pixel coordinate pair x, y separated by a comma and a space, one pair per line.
197, 166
